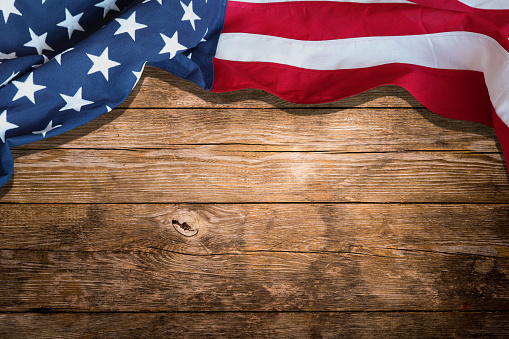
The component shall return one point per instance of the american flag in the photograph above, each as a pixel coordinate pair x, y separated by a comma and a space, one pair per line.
64, 63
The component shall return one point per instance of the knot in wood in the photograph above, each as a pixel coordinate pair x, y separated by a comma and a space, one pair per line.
184, 228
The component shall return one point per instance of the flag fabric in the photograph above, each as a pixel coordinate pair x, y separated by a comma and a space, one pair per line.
64, 63
455, 61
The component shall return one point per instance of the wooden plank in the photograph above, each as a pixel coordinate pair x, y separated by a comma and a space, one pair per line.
345, 130
227, 173
158, 88
158, 280
259, 325
375, 229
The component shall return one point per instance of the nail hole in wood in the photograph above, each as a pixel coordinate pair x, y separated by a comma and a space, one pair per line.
184, 228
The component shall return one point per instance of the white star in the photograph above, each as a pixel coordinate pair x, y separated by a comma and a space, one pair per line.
171, 45
108, 5
7, 7
190, 56
75, 102
27, 88
48, 128
38, 42
58, 57
138, 74
44, 60
13, 75
129, 26
204, 35
102, 63
5, 125
71, 22
4, 56
160, 1
189, 14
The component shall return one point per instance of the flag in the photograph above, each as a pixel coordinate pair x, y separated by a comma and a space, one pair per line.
453, 59
64, 63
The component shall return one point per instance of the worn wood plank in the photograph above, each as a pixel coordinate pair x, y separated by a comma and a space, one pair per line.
227, 173
158, 88
381, 229
258, 325
158, 280
346, 130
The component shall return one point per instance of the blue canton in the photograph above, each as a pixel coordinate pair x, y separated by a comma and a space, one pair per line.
64, 63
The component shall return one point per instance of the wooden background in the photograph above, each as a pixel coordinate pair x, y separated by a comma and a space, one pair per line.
183, 213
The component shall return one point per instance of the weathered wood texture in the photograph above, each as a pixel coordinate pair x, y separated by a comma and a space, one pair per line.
383, 229
222, 174
257, 325
189, 214
317, 129
158, 280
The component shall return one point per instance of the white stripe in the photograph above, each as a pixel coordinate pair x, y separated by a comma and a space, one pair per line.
449, 50
357, 1
487, 4
481, 4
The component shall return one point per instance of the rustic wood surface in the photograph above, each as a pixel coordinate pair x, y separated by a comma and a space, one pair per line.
183, 213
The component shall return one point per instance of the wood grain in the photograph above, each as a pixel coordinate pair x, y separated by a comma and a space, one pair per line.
342, 130
376, 229
190, 214
158, 280
223, 173
158, 88
259, 325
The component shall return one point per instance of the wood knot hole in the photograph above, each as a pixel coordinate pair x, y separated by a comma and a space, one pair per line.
184, 228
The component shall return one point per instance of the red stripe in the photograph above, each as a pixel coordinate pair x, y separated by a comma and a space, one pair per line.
499, 17
316, 20
450, 93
